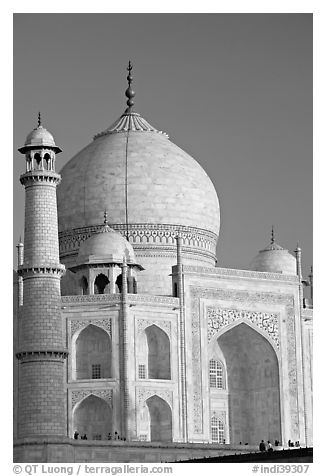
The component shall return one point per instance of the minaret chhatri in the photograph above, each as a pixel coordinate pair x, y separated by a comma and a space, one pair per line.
41, 353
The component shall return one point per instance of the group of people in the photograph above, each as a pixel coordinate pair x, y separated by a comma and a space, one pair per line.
267, 446
293, 444
82, 437
116, 436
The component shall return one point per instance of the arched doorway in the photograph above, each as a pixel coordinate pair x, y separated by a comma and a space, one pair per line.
253, 384
101, 284
158, 353
84, 286
160, 419
93, 354
93, 417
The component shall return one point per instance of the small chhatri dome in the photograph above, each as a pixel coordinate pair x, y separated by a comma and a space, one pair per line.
39, 137
106, 246
274, 259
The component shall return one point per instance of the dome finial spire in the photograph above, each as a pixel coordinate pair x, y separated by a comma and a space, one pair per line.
105, 217
272, 236
129, 92
39, 120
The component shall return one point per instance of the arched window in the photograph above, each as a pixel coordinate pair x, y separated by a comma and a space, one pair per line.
118, 284
217, 430
84, 285
175, 290
47, 160
93, 354
160, 419
131, 284
93, 417
158, 353
100, 284
216, 374
38, 160
132, 287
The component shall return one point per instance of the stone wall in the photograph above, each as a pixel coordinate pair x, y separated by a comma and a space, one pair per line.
72, 451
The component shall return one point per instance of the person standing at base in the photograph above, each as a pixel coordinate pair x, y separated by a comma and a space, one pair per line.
262, 446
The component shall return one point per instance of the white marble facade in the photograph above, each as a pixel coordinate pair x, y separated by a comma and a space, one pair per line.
162, 345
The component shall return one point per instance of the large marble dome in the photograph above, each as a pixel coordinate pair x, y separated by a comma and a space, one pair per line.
151, 189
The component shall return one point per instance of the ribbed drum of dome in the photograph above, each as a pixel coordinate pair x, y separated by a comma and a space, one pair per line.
41, 345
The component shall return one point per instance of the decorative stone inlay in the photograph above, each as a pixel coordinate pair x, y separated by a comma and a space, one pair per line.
78, 395
219, 318
143, 393
33, 355
164, 325
146, 299
92, 298
220, 272
151, 299
35, 176
246, 297
51, 271
105, 324
292, 365
142, 233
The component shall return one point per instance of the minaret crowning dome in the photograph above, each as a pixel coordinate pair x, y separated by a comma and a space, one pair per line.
152, 191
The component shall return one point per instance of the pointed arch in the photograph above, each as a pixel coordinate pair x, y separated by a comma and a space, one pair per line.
83, 285
253, 384
158, 342
47, 161
93, 353
248, 323
93, 416
160, 419
101, 284
118, 284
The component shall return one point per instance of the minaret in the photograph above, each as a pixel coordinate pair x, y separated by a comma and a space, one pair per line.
20, 256
41, 350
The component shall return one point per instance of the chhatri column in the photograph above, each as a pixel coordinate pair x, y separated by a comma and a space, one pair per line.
41, 352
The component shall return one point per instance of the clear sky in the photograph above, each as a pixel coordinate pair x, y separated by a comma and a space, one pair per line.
232, 90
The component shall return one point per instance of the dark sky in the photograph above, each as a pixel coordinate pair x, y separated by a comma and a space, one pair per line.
232, 90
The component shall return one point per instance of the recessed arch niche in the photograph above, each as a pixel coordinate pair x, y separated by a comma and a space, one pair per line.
253, 385
158, 342
160, 419
93, 417
93, 351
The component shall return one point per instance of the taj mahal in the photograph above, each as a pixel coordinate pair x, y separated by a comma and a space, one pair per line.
127, 331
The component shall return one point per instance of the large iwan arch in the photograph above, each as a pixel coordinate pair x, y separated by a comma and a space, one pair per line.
159, 366
93, 417
253, 384
93, 351
160, 419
